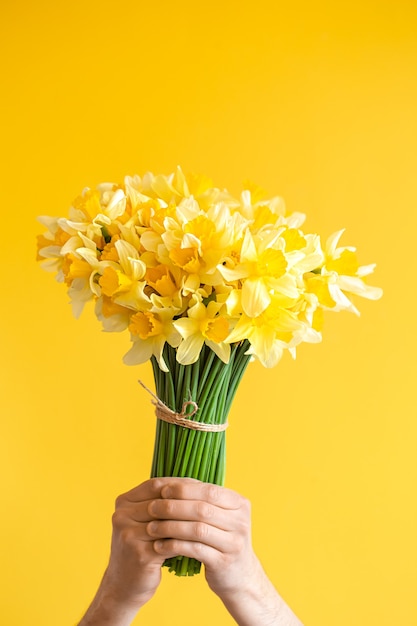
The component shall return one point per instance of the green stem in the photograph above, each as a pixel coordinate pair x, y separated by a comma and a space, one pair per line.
181, 451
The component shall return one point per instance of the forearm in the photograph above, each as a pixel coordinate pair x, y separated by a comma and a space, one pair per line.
259, 603
107, 610
104, 614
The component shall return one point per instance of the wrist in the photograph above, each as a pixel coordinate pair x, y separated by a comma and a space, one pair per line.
257, 601
107, 609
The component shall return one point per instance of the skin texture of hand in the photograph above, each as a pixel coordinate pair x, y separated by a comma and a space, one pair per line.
164, 517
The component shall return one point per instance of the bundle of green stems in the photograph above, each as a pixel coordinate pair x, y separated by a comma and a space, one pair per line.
181, 451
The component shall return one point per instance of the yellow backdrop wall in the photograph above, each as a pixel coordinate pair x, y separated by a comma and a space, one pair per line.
315, 101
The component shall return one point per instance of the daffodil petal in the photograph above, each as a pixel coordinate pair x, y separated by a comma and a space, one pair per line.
332, 241
117, 205
266, 348
355, 285
186, 326
341, 300
157, 349
365, 270
189, 350
234, 273
255, 297
241, 331
221, 349
139, 353
248, 251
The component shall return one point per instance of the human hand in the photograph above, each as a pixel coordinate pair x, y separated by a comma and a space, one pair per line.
208, 523
164, 517
213, 524
134, 570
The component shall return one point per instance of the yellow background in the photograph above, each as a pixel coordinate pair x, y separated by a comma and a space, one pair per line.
316, 101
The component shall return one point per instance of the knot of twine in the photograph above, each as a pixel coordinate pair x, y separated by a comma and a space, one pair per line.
164, 413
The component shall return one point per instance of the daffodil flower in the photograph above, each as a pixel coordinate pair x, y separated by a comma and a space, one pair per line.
203, 325
83, 269
149, 331
124, 283
344, 275
198, 241
50, 246
263, 272
269, 333
114, 317
182, 262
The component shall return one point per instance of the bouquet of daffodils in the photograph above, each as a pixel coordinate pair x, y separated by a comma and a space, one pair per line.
203, 282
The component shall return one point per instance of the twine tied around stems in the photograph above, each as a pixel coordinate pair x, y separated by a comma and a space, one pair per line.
184, 419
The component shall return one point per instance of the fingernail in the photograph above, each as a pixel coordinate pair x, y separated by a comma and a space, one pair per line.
152, 526
158, 544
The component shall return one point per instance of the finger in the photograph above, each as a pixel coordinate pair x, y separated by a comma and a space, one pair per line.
168, 548
128, 531
198, 532
145, 491
195, 490
137, 511
193, 511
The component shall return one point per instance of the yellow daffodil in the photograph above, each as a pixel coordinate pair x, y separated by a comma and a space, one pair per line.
162, 279
49, 246
203, 325
114, 317
263, 272
149, 331
270, 332
81, 272
124, 282
184, 263
344, 275
198, 241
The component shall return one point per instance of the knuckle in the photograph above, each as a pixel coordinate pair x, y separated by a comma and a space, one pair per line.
169, 508
246, 509
141, 557
212, 493
157, 483
118, 519
200, 531
245, 528
239, 544
198, 551
127, 537
204, 510
175, 545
